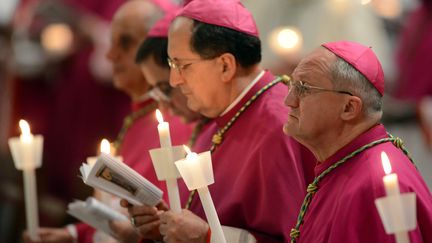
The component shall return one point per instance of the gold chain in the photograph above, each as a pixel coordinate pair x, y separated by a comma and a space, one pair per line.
313, 187
218, 137
129, 121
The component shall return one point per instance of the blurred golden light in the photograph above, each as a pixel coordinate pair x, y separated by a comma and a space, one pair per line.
387, 8
285, 40
57, 38
339, 6
288, 38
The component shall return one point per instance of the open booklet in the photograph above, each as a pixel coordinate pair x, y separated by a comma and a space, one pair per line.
113, 176
95, 214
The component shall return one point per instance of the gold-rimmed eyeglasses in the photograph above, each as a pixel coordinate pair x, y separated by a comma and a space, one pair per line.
173, 64
300, 89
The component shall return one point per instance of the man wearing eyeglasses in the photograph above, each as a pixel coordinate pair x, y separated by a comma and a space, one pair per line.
152, 58
335, 97
214, 54
129, 28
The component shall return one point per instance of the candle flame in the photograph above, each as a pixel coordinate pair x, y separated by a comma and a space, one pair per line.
186, 148
26, 135
386, 163
105, 146
25, 128
159, 116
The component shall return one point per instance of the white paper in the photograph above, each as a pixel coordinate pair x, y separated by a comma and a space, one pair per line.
95, 214
113, 176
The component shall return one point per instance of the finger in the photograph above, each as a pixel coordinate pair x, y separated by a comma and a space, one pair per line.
166, 239
141, 220
142, 210
163, 229
165, 217
115, 225
149, 228
124, 203
123, 231
162, 205
26, 237
41, 233
170, 239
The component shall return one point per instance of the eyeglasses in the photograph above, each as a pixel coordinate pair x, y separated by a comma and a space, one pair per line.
161, 91
180, 67
301, 89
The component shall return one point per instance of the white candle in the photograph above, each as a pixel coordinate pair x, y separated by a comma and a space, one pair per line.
27, 153
391, 185
104, 147
171, 183
197, 172
197, 177
173, 195
163, 129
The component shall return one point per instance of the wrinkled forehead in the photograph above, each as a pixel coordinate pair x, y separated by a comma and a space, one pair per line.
317, 63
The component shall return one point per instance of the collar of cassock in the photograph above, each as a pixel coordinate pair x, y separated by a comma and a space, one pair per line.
376, 132
144, 101
221, 121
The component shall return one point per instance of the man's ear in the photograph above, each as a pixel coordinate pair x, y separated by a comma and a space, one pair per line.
228, 66
352, 108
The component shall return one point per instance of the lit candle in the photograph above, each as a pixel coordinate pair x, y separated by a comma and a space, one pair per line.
105, 147
171, 182
26, 136
163, 129
197, 172
391, 185
27, 154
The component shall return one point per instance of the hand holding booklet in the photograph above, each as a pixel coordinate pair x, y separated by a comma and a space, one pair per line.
95, 214
113, 176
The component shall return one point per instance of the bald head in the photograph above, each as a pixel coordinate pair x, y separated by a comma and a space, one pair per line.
129, 28
137, 14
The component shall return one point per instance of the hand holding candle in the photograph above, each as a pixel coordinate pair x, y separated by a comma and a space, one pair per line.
27, 154
197, 172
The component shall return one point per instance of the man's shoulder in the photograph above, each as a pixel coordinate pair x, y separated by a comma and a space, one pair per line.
271, 103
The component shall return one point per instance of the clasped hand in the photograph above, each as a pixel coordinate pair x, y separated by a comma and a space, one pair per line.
157, 223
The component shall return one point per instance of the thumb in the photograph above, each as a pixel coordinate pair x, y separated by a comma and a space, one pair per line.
115, 225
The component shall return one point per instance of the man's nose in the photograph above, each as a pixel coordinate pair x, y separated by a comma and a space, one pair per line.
175, 78
291, 100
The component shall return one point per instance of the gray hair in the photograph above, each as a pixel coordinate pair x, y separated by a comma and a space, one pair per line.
346, 77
